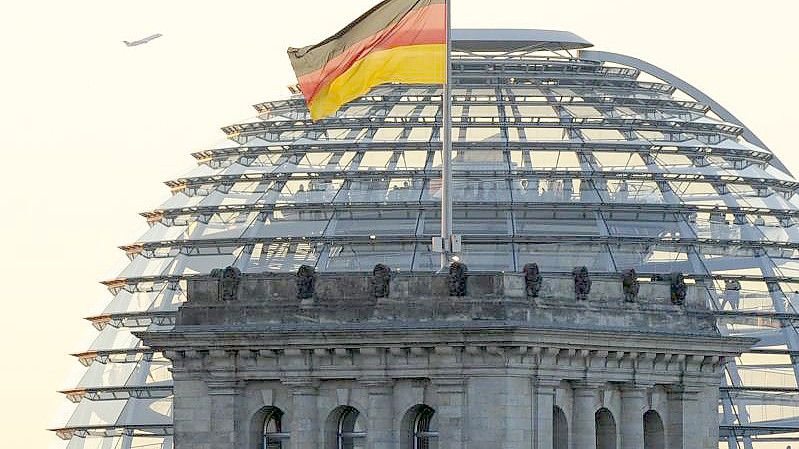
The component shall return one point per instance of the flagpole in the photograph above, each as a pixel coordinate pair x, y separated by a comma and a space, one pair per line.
446, 150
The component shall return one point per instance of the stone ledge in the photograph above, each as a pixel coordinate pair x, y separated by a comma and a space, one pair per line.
353, 287
272, 299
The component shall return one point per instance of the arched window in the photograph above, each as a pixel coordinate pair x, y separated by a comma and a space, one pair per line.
425, 429
274, 435
349, 431
654, 437
560, 429
605, 429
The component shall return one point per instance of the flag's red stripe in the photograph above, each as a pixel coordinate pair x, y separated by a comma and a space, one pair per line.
422, 26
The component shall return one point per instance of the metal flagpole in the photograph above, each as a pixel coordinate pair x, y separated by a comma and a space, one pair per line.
446, 151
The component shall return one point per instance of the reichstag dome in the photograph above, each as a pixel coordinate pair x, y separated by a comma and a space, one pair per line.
563, 156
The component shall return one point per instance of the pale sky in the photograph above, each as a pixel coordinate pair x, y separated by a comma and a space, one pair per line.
91, 128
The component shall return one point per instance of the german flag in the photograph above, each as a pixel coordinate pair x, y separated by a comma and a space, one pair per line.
400, 41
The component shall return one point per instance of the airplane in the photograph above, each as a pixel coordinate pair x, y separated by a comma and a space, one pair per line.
142, 41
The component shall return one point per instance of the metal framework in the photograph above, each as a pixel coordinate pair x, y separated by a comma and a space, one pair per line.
559, 158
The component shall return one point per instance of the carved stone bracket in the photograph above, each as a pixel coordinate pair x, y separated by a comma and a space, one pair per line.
678, 289
381, 277
532, 280
457, 279
629, 281
306, 282
582, 283
229, 281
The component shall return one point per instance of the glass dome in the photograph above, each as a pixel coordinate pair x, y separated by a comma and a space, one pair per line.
561, 156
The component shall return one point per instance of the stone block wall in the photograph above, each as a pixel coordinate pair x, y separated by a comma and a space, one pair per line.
494, 365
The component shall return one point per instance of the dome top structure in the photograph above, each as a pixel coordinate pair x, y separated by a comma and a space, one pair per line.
476, 39
561, 158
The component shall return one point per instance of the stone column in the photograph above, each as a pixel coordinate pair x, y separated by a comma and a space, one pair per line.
451, 411
380, 425
632, 417
584, 419
224, 395
682, 407
544, 407
305, 415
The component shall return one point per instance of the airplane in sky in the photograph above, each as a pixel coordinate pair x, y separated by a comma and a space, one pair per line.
142, 41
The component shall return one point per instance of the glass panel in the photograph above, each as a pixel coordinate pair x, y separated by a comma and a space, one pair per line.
667, 160
281, 256
548, 160
632, 191
275, 436
602, 134
375, 160
652, 258
564, 257
224, 225
475, 134
488, 256
619, 161
481, 190
379, 190
482, 110
537, 134
469, 222
377, 222
309, 191
480, 160
363, 257
528, 110
584, 111
412, 160
549, 222
536, 190
290, 223
643, 224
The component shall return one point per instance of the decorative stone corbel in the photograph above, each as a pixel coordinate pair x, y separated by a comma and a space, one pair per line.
678, 289
229, 280
381, 279
456, 280
582, 283
306, 282
630, 285
532, 280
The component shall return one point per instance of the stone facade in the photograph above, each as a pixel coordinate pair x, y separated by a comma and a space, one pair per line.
496, 368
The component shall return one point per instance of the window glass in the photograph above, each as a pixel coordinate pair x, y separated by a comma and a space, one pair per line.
602, 134
425, 430
275, 436
350, 433
364, 256
536, 222
618, 161
563, 257
378, 222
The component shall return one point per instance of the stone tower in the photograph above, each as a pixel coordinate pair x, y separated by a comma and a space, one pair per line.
458, 361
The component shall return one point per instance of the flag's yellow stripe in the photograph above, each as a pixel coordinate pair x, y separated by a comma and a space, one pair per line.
413, 64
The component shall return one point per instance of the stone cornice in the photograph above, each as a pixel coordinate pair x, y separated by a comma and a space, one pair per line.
296, 366
482, 335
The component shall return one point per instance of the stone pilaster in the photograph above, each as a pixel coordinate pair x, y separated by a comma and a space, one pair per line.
305, 419
583, 421
224, 396
631, 424
544, 405
451, 412
380, 425
682, 404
